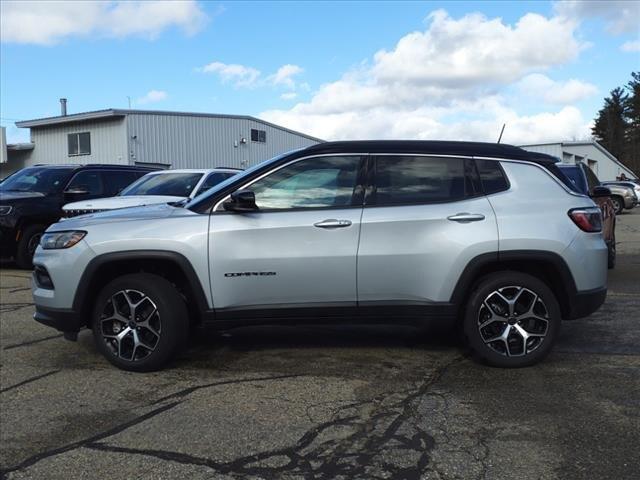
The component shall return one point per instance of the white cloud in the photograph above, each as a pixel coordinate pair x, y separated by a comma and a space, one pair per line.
249, 77
631, 46
152, 96
540, 86
238, 75
288, 96
621, 16
284, 75
474, 49
49, 22
445, 83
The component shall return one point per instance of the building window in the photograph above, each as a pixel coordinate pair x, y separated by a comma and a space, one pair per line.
258, 135
79, 143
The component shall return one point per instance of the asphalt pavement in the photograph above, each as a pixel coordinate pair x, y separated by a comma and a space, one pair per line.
326, 402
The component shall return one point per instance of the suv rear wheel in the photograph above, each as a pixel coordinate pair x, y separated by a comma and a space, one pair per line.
140, 322
512, 320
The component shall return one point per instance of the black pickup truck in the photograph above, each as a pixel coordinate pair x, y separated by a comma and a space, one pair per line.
31, 199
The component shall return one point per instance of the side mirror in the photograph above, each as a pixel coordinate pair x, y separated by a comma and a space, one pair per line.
599, 192
241, 201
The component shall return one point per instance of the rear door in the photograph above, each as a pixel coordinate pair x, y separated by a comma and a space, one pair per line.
424, 219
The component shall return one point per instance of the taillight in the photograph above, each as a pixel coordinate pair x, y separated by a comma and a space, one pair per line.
588, 219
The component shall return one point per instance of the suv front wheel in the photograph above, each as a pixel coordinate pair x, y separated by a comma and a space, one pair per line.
140, 322
512, 320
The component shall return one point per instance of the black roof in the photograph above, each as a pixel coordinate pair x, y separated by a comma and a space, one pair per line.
98, 166
475, 149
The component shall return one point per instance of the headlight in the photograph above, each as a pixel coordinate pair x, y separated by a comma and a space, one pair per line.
5, 209
55, 240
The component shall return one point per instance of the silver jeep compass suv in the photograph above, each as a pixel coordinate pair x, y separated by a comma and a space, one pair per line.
487, 235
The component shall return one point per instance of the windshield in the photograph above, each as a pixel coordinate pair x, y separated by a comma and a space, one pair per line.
37, 179
173, 184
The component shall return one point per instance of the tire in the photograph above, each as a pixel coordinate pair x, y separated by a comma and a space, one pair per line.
151, 338
611, 251
618, 204
536, 312
29, 240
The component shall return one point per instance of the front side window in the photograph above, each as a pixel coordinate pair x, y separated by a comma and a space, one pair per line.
87, 182
413, 180
320, 182
79, 143
172, 184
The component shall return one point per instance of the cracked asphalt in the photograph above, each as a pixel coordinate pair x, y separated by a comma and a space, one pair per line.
326, 402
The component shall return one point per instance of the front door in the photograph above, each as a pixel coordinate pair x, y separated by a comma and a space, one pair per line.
299, 248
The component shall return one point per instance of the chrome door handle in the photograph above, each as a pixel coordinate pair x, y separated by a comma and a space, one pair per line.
333, 223
466, 217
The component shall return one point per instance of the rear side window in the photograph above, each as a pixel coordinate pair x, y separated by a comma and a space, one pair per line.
492, 177
409, 179
116, 180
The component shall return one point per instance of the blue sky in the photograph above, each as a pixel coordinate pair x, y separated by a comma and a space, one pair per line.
336, 70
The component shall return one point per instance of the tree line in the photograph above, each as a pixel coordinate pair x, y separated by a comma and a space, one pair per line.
617, 126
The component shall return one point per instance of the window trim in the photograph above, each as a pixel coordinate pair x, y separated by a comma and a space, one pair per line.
362, 167
89, 170
258, 130
372, 178
77, 135
504, 174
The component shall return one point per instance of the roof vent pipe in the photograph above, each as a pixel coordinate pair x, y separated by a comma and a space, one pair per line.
63, 107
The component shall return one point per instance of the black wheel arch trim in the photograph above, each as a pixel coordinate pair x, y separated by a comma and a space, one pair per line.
195, 286
569, 299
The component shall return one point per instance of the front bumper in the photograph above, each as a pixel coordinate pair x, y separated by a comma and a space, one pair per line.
583, 304
65, 320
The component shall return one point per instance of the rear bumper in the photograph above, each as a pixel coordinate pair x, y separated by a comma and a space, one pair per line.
583, 304
59, 318
630, 202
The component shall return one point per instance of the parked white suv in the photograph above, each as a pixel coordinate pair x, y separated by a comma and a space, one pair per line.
163, 186
487, 235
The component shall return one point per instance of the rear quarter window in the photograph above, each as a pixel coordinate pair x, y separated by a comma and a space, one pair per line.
492, 176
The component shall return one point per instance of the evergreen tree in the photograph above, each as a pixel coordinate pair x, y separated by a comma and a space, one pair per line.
631, 156
610, 128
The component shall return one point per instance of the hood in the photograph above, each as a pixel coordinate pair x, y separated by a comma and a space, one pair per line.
151, 212
7, 195
124, 201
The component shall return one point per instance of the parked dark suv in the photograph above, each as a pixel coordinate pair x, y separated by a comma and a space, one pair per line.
31, 199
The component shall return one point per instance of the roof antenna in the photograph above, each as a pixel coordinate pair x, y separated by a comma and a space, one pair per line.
501, 132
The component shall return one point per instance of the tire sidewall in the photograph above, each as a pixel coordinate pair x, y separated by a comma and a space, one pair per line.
24, 259
494, 282
174, 323
618, 205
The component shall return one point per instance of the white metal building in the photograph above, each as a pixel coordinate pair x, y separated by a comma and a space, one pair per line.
606, 166
166, 139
